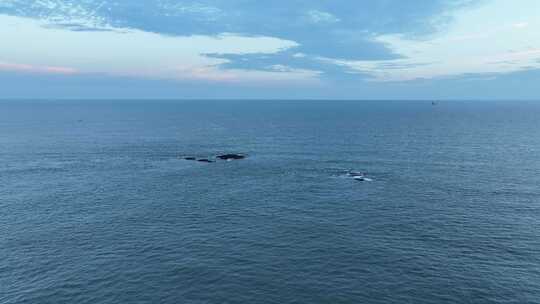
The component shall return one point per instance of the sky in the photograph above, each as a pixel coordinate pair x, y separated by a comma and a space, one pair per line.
293, 49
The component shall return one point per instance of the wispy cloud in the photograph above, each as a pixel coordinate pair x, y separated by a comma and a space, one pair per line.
28, 68
70, 14
520, 25
318, 17
200, 11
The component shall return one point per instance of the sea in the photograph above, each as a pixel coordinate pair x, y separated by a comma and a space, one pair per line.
98, 204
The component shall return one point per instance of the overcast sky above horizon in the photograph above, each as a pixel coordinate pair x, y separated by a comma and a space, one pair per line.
386, 49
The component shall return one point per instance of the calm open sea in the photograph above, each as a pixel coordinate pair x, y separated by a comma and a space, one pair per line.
97, 206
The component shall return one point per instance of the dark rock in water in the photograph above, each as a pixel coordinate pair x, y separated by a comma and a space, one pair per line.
190, 158
231, 156
205, 160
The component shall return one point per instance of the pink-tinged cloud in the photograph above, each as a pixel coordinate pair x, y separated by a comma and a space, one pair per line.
28, 68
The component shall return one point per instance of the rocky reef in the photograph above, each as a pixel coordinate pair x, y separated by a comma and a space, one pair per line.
226, 157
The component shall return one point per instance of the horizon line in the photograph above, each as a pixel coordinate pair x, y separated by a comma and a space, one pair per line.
2, 99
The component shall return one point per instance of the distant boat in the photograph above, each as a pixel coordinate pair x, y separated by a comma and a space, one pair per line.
433, 103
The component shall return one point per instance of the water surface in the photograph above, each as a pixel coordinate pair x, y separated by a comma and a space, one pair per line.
96, 205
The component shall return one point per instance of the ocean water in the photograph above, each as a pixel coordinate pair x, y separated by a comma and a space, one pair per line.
98, 206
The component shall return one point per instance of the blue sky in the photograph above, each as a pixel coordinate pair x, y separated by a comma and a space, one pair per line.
385, 49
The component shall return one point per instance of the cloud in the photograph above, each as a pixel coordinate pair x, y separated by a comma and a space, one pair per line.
70, 14
276, 74
468, 46
195, 10
341, 30
520, 25
343, 27
512, 86
130, 52
342, 42
27, 68
287, 60
319, 17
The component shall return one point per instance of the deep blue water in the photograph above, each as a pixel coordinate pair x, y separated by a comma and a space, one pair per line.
96, 205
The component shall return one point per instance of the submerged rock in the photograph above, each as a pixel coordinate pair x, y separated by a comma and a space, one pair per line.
205, 160
231, 156
228, 157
